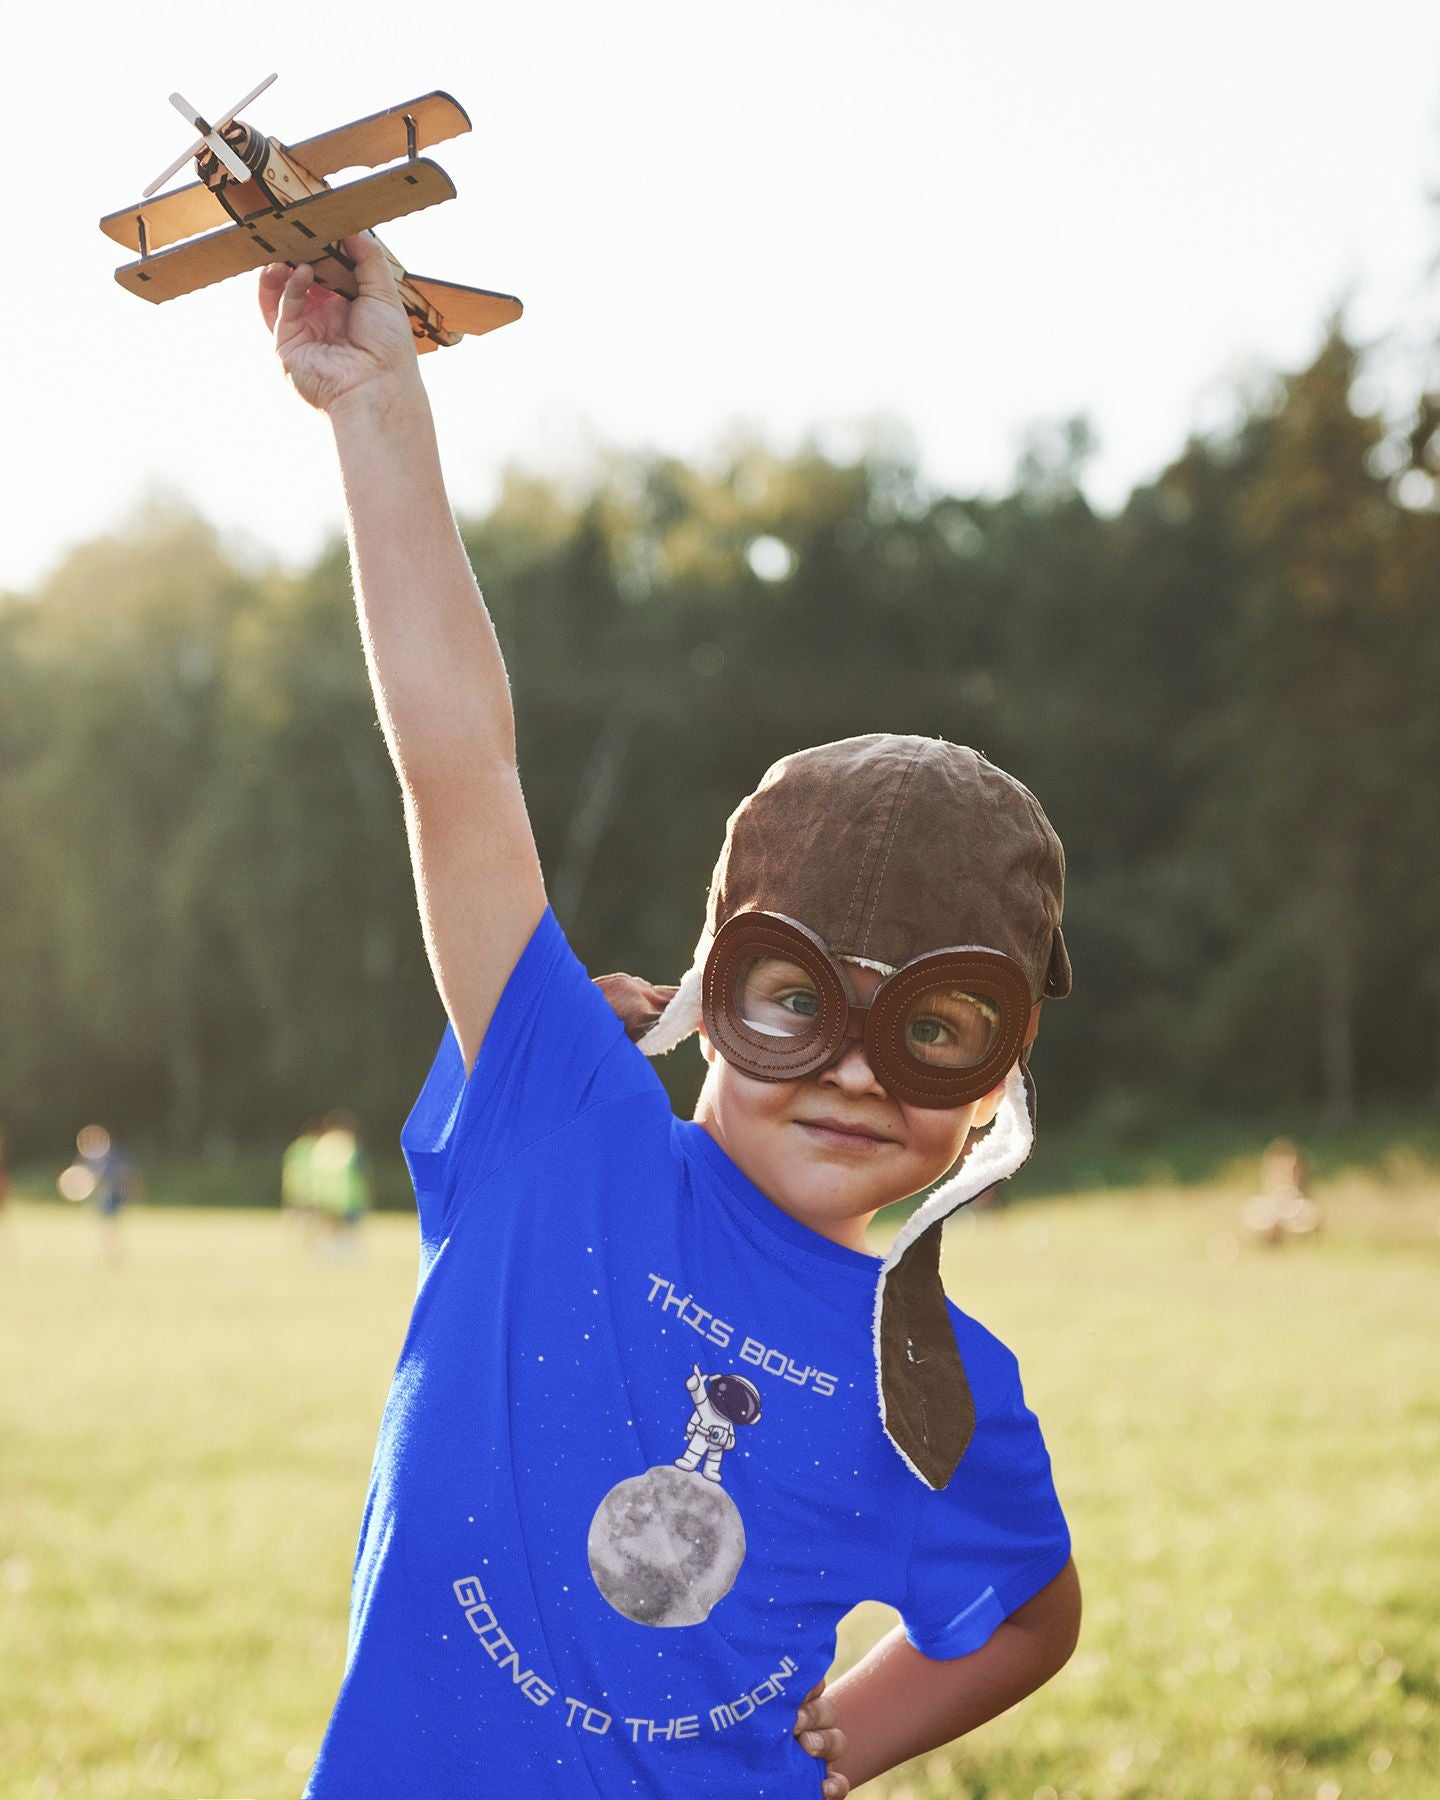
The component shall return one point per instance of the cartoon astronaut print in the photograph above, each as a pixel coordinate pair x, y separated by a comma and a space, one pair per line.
721, 1403
663, 1549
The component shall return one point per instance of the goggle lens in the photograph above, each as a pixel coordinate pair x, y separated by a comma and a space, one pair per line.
949, 1028
775, 997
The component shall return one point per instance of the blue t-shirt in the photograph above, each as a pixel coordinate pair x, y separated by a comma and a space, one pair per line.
631, 1471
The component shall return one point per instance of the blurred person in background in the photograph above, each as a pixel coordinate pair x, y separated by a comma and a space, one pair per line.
340, 1183
108, 1178
1282, 1209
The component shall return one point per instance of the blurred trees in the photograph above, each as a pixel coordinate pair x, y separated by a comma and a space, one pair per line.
1225, 696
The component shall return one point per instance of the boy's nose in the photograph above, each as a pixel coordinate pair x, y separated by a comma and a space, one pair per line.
851, 1071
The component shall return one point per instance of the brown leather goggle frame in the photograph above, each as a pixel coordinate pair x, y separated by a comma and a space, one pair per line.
880, 1025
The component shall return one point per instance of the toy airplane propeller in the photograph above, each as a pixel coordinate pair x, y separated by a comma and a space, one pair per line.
280, 208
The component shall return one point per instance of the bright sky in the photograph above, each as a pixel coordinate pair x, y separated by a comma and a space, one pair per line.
773, 216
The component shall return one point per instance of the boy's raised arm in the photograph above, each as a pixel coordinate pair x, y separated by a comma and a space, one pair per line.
435, 666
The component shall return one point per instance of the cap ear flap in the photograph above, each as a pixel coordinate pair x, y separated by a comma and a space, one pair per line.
1057, 976
926, 1404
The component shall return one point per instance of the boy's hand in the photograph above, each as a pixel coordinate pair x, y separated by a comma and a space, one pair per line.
819, 1736
637, 1003
332, 347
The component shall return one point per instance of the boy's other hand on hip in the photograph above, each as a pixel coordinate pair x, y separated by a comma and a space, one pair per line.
819, 1736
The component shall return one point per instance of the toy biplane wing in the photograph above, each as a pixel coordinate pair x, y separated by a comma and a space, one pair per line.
384, 136
298, 234
472, 311
166, 219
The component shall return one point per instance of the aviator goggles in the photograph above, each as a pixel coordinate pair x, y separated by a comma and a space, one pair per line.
941, 1031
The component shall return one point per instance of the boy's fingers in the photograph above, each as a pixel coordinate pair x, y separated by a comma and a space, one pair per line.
835, 1787
272, 285
372, 268
292, 299
817, 1711
826, 1744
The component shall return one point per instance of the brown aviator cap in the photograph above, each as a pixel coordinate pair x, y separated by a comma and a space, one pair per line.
888, 847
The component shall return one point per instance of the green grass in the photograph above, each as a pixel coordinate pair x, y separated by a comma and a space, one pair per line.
1247, 1443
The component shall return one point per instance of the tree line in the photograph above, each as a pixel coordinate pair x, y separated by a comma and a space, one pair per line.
1226, 695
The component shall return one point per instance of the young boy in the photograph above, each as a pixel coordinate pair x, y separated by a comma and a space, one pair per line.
640, 1453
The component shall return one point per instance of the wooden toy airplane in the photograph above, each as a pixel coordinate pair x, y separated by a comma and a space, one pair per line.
282, 209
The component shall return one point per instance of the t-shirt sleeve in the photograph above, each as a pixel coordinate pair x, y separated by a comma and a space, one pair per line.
987, 1542
554, 1048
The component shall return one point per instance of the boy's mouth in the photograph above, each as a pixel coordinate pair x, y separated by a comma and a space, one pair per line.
842, 1133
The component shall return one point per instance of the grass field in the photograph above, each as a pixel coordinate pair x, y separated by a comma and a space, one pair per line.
1247, 1443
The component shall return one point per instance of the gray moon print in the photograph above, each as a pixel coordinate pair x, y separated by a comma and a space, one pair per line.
666, 1546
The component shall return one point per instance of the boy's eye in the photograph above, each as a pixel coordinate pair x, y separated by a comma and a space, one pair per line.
953, 1029
776, 997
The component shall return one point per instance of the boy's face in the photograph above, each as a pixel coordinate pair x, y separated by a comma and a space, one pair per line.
832, 1148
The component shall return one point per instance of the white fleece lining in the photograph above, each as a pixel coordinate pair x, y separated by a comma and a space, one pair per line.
682, 1016
1004, 1150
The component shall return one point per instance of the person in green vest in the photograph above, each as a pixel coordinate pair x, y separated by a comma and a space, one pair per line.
340, 1180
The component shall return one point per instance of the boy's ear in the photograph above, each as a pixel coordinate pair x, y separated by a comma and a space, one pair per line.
707, 1049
